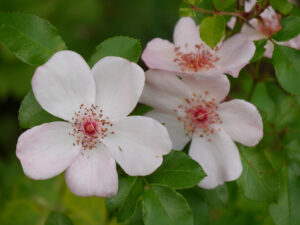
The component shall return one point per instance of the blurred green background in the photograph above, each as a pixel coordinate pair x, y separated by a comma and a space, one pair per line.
83, 24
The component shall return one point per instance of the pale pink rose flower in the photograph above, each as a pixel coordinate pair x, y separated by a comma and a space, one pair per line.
256, 31
190, 55
97, 131
192, 109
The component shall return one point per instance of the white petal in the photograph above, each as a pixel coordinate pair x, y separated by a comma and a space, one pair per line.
186, 34
249, 4
119, 85
174, 127
269, 49
241, 121
47, 150
219, 158
216, 87
160, 54
235, 52
138, 144
93, 173
252, 34
164, 90
231, 23
64, 83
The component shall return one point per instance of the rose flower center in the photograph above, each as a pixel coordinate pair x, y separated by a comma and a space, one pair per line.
90, 127
202, 58
198, 115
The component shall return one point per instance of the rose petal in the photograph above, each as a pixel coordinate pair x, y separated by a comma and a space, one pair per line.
186, 34
138, 144
174, 127
241, 121
235, 52
160, 54
252, 33
93, 173
119, 85
164, 91
64, 83
216, 87
219, 158
47, 150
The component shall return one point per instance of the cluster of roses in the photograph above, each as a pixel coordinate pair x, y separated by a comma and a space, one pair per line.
185, 85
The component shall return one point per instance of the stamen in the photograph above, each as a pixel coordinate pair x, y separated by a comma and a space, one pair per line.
198, 115
89, 126
202, 58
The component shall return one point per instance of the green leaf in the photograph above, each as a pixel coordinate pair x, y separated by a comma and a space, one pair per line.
178, 170
55, 218
258, 180
282, 6
137, 218
212, 30
290, 28
32, 114
162, 205
224, 5
286, 210
287, 67
260, 50
124, 203
197, 204
125, 47
30, 38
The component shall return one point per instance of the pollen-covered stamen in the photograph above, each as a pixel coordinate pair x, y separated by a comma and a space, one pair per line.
198, 115
89, 126
202, 58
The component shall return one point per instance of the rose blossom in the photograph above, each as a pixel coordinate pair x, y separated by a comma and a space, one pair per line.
258, 31
96, 131
192, 109
190, 55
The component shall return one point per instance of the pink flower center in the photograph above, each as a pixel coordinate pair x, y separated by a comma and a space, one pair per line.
271, 25
202, 58
90, 126
199, 115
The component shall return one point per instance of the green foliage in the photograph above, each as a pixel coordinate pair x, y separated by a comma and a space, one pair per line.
282, 6
224, 5
125, 47
260, 49
55, 218
177, 171
30, 38
124, 203
162, 205
212, 30
258, 180
32, 114
286, 209
290, 28
287, 67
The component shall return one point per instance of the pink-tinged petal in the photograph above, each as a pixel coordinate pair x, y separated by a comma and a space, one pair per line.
47, 150
269, 49
242, 121
219, 158
174, 127
252, 34
164, 90
160, 54
119, 85
138, 144
215, 86
186, 34
231, 22
294, 43
93, 173
249, 5
64, 83
235, 52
